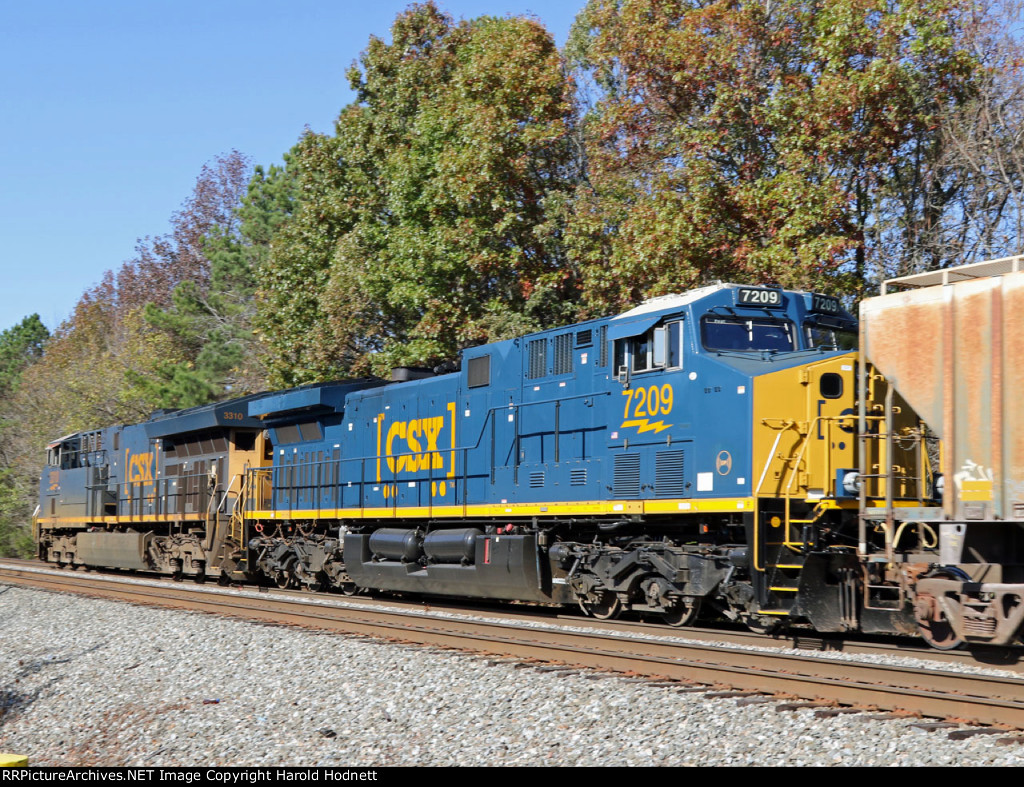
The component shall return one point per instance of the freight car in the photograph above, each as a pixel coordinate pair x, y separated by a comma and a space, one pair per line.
727, 452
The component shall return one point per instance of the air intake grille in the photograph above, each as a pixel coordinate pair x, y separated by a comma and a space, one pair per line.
602, 340
563, 353
627, 476
668, 474
578, 476
538, 358
537, 480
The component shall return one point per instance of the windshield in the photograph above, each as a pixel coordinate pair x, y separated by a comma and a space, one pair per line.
730, 333
829, 338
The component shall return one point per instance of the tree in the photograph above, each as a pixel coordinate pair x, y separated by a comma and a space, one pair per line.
20, 345
983, 157
428, 218
213, 321
756, 141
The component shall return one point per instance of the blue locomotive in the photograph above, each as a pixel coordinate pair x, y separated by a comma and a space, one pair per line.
724, 451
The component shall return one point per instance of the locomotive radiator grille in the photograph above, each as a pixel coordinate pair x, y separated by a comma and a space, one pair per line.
669, 478
627, 476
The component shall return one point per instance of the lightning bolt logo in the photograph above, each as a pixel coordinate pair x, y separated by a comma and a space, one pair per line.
644, 425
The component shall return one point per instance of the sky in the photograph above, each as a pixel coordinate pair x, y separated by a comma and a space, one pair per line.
110, 108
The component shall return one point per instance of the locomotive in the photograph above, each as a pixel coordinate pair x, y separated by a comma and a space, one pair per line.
728, 452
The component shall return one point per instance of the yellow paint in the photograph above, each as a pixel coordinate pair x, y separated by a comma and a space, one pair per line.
451, 463
647, 403
139, 468
13, 760
975, 491
798, 432
585, 508
412, 446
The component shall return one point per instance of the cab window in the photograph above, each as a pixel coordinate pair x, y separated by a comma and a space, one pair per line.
747, 335
828, 337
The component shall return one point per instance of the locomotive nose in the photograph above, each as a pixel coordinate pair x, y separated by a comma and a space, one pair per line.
804, 429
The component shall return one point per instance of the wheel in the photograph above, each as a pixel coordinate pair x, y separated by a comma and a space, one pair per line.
933, 624
349, 588
683, 613
282, 579
606, 605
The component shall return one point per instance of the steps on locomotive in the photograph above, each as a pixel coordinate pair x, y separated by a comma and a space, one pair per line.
782, 571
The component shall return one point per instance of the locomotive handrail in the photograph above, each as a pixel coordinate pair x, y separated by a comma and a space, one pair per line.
490, 418
803, 430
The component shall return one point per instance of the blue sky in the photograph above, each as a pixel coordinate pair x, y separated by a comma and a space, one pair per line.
108, 110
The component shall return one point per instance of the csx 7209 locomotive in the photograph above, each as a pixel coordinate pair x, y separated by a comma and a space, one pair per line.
726, 452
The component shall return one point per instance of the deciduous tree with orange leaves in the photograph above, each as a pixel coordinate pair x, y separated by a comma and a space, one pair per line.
759, 140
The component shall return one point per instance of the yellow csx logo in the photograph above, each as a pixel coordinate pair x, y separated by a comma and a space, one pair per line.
416, 444
139, 468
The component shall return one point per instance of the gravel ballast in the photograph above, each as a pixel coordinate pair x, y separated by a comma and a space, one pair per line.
90, 682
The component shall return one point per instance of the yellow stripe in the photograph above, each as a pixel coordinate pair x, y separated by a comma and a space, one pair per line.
719, 506
115, 520
610, 507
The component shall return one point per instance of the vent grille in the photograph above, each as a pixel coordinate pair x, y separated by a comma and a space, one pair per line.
537, 479
538, 358
479, 371
563, 353
602, 340
627, 476
578, 476
668, 474
584, 338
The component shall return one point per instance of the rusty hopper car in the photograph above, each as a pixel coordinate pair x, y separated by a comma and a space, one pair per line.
951, 342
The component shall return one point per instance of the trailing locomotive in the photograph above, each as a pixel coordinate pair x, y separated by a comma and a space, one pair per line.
724, 452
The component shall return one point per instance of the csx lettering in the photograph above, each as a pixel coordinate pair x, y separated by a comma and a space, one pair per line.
417, 439
140, 468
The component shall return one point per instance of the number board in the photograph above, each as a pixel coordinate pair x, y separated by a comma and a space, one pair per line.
826, 304
748, 296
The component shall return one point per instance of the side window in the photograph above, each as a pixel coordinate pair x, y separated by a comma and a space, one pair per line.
675, 345
660, 347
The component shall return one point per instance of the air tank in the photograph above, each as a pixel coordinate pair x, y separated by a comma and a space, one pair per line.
452, 546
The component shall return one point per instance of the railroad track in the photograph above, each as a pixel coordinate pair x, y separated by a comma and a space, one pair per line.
688, 657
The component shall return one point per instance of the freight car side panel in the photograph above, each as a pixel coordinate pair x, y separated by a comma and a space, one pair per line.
963, 376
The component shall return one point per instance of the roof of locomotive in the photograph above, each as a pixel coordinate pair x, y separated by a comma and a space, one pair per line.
314, 398
231, 412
